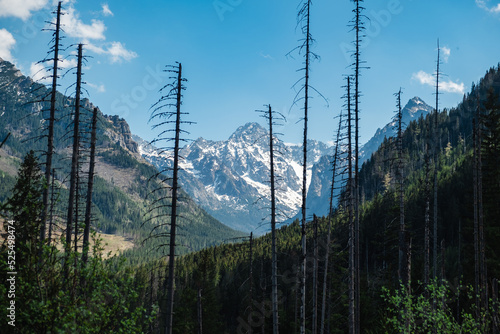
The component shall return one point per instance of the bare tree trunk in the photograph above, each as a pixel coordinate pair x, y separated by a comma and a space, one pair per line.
274, 273
50, 138
427, 245
403, 260
315, 277
251, 277
52, 204
90, 186
350, 192
328, 236
173, 215
75, 155
304, 178
436, 164
5, 140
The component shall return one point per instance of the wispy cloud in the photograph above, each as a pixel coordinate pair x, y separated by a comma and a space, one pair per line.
20, 9
100, 88
446, 53
266, 56
39, 73
115, 50
483, 4
447, 86
106, 11
74, 27
93, 35
7, 42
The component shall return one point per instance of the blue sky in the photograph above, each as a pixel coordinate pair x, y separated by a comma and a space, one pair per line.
234, 55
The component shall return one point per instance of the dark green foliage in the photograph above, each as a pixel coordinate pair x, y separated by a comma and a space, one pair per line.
24, 205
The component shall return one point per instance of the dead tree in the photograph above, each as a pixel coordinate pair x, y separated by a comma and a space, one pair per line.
436, 164
166, 112
403, 261
427, 228
315, 276
303, 20
52, 204
350, 208
270, 115
90, 186
329, 232
5, 140
50, 138
358, 27
75, 154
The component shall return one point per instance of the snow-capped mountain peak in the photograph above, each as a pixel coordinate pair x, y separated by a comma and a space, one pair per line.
229, 177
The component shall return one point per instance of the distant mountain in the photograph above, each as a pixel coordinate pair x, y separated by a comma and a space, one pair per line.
120, 189
230, 178
321, 177
415, 108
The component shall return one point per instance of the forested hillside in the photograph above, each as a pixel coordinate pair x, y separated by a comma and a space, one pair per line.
228, 288
403, 241
121, 185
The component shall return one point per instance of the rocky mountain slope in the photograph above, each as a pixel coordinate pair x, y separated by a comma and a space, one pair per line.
230, 178
121, 187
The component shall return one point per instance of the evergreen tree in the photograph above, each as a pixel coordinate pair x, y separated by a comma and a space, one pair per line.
24, 206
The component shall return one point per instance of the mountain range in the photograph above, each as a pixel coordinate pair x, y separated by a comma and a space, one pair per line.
230, 179
121, 190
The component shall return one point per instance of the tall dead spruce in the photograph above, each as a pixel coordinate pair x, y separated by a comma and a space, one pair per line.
403, 258
303, 21
50, 137
74, 157
436, 148
165, 113
329, 232
90, 186
358, 27
271, 116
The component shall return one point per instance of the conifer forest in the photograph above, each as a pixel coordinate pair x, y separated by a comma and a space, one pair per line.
103, 232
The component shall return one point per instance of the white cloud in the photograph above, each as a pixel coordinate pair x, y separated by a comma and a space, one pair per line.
452, 87
483, 4
67, 63
447, 86
115, 50
119, 53
20, 8
7, 42
446, 53
74, 27
106, 11
100, 88
424, 78
39, 73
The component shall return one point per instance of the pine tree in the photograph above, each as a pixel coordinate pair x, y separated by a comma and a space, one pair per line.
23, 208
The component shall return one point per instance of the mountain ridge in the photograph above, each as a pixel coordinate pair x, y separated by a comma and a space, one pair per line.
121, 182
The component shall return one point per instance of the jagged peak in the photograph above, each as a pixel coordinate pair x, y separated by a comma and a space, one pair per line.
250, 131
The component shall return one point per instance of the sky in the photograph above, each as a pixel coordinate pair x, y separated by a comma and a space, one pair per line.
236, 56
